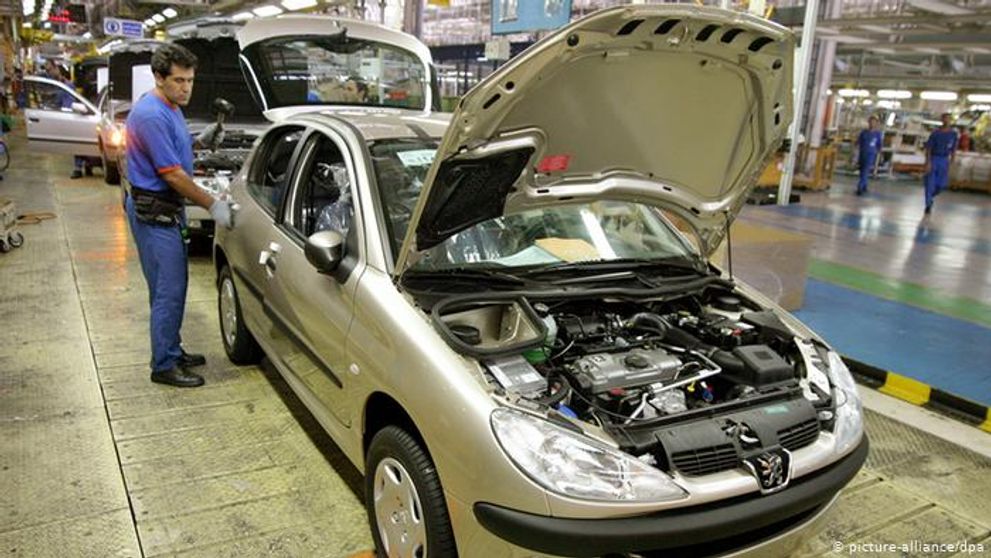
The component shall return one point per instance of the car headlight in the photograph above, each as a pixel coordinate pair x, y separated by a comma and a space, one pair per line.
116, 137
575, 465
849, 413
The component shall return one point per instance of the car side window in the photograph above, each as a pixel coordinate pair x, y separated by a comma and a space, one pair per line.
47, 96
268, 178
323, 200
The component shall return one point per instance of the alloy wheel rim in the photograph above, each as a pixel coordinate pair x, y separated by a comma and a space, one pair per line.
398, 511
228, 311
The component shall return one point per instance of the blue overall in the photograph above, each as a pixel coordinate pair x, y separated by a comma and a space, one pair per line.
158, 142
869, 143
940, 145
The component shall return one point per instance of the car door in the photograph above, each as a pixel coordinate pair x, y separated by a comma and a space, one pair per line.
315, 310
260, 197
59, 120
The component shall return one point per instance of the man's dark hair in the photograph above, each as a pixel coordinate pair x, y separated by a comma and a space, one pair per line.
167, 55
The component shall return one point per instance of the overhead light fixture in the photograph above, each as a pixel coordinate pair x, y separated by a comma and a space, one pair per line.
876, 29
854, 93
87, 35
829, 92
149, 22
980, 107
889, 104
293, 5
159, 18
938, 96
894, 94
840, 101
47, 25
978, 50
169, 13
27, 24
927, 50
242, 16
883, 50
851, 40
979, 98
867, 102
267, 11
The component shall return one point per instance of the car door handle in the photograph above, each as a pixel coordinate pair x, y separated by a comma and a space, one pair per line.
267, 257
34, 119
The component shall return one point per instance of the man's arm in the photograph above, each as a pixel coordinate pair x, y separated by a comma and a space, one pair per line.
179, 181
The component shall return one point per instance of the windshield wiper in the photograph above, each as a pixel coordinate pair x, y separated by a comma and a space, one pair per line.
679, 263
466, 274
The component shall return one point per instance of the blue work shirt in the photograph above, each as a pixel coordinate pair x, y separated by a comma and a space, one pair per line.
158, 142
869, 141
942, 143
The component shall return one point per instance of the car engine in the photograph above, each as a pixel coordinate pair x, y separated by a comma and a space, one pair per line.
695, 384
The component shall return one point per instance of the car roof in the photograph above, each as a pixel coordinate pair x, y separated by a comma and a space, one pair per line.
382, 123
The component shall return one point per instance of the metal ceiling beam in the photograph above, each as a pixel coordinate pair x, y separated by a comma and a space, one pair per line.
898, 80
847, 22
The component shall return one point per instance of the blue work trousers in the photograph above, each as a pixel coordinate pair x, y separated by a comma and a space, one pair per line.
866, 168
162, 252
938, 177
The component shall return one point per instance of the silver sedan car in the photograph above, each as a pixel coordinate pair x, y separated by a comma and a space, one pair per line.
494, 316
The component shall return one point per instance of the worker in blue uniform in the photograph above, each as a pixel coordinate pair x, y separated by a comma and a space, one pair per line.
941, 148
159, 151
868, 146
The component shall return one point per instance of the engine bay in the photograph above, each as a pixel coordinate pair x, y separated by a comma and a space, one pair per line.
697, 384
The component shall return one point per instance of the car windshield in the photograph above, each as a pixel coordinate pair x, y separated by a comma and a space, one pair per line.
596, 231
337, 69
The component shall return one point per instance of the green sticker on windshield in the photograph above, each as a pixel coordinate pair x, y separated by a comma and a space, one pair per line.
417, 157
776, 410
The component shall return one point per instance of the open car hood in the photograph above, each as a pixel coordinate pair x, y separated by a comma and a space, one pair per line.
672, 105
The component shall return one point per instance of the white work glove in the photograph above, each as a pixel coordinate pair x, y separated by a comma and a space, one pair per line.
222, 215
212, 136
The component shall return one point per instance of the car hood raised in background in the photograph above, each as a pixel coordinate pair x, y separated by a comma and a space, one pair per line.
260, 30
673, 105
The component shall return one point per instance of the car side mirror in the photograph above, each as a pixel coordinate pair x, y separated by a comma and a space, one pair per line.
325, 250
79, 108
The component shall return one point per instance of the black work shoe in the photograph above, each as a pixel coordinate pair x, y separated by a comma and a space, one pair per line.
76, 174
177, 377
188, 360
89, 171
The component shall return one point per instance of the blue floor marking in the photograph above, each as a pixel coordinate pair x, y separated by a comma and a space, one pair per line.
856, 221
943, 352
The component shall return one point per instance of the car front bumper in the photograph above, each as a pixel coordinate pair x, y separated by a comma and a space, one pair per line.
723, 527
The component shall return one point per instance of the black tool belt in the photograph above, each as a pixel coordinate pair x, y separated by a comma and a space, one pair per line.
157, 208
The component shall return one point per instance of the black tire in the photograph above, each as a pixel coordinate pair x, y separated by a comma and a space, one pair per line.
4, 247
239, 344
16, 239
393, 445
111, 174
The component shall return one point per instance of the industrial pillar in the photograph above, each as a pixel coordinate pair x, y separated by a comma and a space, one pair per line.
824, 78
804, 58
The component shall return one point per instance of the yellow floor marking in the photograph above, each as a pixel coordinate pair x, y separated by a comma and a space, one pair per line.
905, 388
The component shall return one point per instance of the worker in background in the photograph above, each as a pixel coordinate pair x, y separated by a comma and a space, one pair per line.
159, 151
868, 146
81, 163
963, 144
941, 148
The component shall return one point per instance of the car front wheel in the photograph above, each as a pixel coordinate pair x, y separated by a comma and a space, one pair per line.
239, 344
405, 500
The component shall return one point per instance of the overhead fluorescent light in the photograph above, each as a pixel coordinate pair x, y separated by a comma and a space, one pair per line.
159, 18
829, 92
939, 7
867, 102
889, 104
979, 98
27, 24
854, 93
876, 29
87, 35
47, 25
883, 50
241, 16
169, 13
840, 101
266, 11
938, 96
980, 107
851, 40
894, 94
293, 5
927, 50
826, 31
978, 50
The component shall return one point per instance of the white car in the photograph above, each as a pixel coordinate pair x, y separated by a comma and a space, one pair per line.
59, 120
